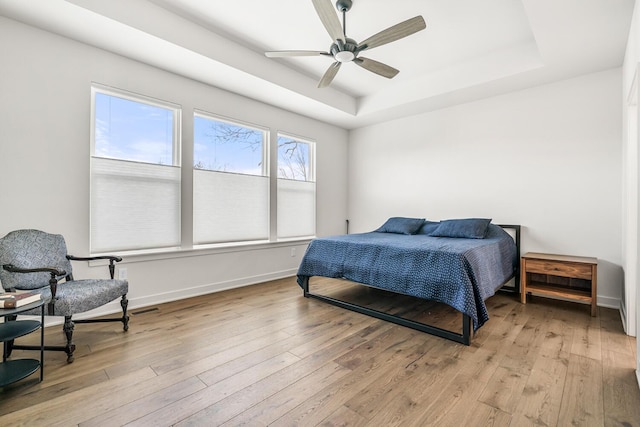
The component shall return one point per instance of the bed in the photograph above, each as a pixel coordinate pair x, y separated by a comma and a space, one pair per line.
459, 262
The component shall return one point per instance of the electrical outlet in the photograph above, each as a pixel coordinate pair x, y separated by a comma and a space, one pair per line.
122, 273
293, 252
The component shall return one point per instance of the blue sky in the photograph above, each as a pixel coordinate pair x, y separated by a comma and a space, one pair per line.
213, 150
131, 130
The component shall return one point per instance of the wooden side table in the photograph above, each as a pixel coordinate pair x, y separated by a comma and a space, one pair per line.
569, 277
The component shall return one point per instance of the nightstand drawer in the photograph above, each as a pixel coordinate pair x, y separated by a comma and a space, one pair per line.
564, 269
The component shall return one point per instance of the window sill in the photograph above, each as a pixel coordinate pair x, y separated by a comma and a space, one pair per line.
198, 250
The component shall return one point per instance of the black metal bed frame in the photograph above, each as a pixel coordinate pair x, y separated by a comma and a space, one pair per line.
463, 338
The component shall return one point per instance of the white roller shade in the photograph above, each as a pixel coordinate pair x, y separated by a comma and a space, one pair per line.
229, 207
134, 205
296, 208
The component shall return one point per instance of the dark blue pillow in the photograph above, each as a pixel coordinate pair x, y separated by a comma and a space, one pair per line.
469, 228
400, 225
428, 227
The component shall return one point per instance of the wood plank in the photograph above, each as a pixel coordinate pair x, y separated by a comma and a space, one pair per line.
450, 406
587, 339
26, 394
521, 356
259, 391
343, 416
60, 411
567, 258
274, 406
539, 403
582, 399
321, 405
504, 389
195, 402
381, 394
612, 334
149, 403
484, 415
425, 378
620, 393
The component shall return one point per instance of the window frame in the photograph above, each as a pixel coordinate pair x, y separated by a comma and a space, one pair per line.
234, 122
142, 99
312, 153
312, 179
176, 163
266, 174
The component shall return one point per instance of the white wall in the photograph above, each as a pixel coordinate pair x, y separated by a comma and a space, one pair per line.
548, 158
44, 160
631, 229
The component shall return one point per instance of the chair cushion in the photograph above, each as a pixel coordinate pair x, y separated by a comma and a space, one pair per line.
78, 296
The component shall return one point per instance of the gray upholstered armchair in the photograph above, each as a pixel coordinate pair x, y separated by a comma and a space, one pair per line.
35, 260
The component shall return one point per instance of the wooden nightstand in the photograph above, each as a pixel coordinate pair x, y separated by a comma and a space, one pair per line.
569, 277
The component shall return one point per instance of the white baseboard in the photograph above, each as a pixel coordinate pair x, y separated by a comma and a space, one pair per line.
179, 294
623, 317
609, 302
148, 300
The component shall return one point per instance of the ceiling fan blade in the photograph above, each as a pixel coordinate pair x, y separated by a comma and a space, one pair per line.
396, 32
286, 53
329, 74
376, 67
329, 18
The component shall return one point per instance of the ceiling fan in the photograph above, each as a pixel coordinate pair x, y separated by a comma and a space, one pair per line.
345, 49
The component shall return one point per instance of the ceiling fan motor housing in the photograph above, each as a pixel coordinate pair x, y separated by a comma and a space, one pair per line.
344, 52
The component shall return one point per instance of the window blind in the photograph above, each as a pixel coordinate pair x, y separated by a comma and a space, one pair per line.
133, 205
296, 208
229, 207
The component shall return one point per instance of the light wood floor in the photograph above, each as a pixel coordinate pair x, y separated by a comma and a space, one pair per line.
264, 355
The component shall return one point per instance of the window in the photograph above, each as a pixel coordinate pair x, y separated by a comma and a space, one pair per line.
230, 181
296, 187
244, 189
135, 172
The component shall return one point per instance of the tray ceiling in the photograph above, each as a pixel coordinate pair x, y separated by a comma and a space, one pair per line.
469, 50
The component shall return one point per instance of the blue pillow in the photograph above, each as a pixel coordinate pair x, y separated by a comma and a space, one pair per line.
428, 227
400, 225
469, 228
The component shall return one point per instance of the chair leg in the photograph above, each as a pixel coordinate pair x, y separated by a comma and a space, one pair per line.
124, 302
68, 332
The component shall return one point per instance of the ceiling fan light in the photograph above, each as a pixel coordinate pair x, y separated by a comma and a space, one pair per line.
344, 56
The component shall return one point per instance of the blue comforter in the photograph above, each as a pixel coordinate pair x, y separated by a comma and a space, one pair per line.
459, 272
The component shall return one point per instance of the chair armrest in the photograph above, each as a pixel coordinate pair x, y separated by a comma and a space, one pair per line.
53, 271
93, 258
53, 281
111, 258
